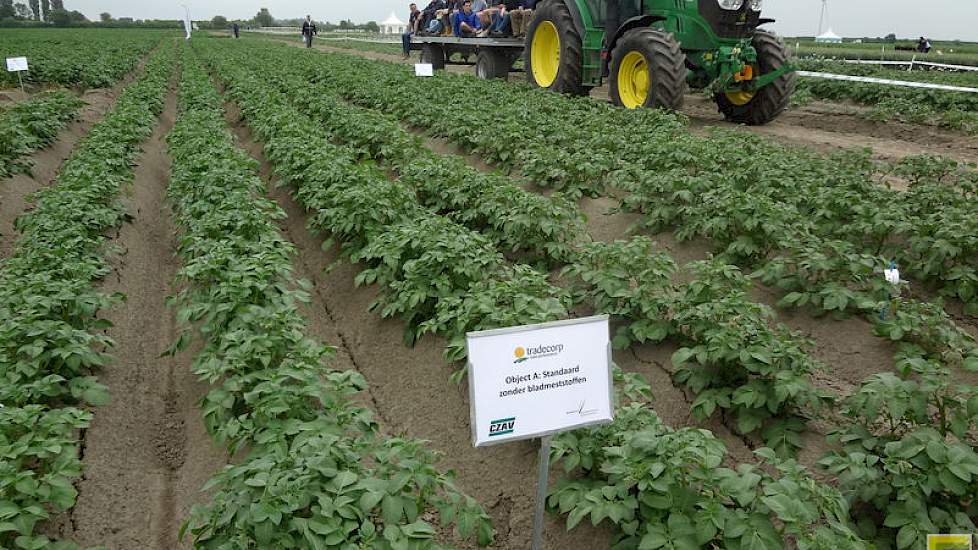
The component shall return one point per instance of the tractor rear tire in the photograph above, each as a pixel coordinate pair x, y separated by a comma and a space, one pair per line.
434, 54
554, 53
491, 63
770, 101
648, 69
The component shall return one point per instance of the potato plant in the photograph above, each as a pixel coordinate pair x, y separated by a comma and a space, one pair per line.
666, 488
32, 125
52, 341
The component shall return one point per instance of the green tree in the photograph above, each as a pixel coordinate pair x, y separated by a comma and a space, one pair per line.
65, 18
264, 19
219, 22
105, 17
46, 10
36, 9
7, 9
22, 11
57, 4
371, 26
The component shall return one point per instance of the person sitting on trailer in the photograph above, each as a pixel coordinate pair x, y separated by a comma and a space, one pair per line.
502, 21
430, 23
411, 29
466, 21
520, 17
482, 9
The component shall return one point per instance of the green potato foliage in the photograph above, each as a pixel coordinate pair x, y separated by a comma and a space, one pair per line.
32, 125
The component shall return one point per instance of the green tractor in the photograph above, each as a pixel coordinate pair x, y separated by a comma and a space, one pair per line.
652, 50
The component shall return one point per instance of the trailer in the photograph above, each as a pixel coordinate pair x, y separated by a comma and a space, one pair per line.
494, 56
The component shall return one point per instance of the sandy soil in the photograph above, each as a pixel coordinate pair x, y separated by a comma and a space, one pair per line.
147, 453
47, 162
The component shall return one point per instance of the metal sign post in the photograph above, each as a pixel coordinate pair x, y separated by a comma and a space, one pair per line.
543, 477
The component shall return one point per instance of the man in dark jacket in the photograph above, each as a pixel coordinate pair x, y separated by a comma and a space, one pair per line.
428, 15
308, 31
412, 28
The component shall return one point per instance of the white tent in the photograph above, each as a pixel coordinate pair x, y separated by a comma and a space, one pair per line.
393, 25
829, 37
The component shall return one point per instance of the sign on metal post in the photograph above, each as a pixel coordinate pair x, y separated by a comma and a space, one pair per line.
424, 69
538, 380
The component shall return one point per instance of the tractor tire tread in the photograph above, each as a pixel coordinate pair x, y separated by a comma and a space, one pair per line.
668, 88
571, 72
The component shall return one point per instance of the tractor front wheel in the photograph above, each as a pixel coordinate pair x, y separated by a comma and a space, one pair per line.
648, 69
764, 105
554, 53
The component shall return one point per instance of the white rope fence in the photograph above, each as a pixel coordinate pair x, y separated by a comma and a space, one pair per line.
884, 81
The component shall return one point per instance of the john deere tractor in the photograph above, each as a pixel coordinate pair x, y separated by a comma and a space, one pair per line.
651, 51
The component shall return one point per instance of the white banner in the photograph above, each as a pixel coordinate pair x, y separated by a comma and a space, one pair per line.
536, 380
187, 25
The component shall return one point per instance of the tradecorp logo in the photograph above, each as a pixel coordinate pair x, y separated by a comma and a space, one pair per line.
949, 542
539, 352
520, 354
502, 426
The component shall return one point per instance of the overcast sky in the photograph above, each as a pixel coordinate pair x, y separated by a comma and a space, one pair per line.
941, 19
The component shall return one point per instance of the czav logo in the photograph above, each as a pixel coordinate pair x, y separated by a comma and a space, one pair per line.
502, 426
523, 354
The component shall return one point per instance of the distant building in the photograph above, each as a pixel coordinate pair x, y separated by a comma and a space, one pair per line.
828, 37
393, 25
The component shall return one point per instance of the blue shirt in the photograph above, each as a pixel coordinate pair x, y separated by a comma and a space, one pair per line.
471, 18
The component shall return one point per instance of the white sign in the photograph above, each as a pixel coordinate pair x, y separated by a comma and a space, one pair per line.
15, 64
892, 276
536, 380
424, 69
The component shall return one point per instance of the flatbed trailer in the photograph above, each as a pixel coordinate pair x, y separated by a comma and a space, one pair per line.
494, 57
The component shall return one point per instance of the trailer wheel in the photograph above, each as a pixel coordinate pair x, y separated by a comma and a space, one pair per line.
433, 54
491, 63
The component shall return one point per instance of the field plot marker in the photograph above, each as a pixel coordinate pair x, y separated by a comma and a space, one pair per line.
536, 381
18, 65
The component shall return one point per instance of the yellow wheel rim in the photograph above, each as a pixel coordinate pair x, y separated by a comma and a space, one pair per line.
633, 80
545, 54
740, 98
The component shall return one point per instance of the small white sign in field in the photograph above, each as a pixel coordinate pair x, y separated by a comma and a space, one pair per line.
424, 69
537, 380
16, 64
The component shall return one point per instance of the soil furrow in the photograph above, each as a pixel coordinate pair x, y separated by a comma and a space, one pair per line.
147, 452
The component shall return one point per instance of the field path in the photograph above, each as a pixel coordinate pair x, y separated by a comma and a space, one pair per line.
47, 161
147, 453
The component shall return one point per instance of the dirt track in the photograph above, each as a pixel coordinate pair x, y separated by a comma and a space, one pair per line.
147, 453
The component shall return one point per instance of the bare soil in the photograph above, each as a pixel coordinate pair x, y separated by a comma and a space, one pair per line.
147, 454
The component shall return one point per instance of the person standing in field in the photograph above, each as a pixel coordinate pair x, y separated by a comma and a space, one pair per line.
308, 30
236, 30
413, 22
